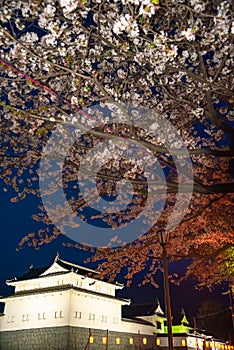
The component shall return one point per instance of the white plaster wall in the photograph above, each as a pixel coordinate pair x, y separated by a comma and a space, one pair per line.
177, 341
107, 312
62, 279
192, 342
32, 305
131, 327
197, 343
163, 342
101, 307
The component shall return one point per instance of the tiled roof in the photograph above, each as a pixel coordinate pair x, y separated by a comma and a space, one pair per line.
139, 309
70, 267
32, 273
137, 320
81, 270
180, 319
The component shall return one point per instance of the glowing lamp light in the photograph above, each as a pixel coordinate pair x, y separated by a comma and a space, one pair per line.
200, 343
158, 342
144, 341
91, 339
117, 341
131, 341
183, 342
104, 340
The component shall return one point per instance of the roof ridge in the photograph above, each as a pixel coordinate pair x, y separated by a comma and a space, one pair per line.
78, 266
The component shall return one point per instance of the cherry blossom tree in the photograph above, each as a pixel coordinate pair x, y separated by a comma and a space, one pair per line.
215, 319
170, 57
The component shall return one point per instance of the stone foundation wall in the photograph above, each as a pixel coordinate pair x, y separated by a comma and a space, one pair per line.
71, 338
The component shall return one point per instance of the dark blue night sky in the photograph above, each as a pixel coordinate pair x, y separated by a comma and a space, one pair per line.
16, 222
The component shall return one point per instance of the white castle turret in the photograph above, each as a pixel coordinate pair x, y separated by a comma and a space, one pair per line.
65, 306
70, 296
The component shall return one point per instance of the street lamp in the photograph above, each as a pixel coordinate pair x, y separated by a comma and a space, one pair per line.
163, 239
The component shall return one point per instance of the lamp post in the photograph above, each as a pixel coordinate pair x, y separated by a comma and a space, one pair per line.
163, 237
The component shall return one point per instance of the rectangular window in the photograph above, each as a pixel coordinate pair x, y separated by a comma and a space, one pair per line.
11, 319
104, 318
77, 314
41, 316
115, 320
159, 325
25, 317
60, 282
91, 317
58, 314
